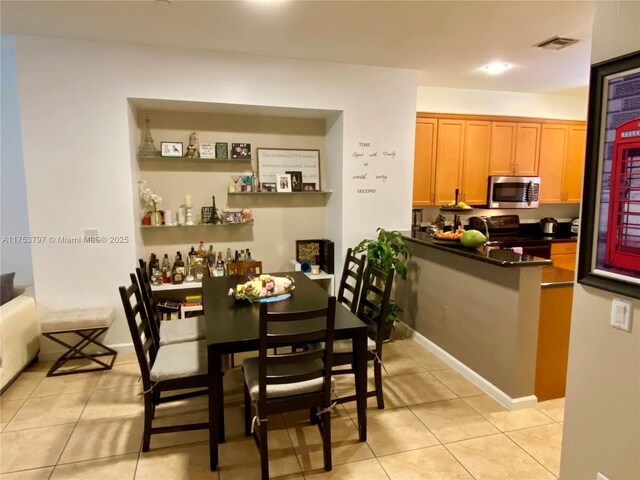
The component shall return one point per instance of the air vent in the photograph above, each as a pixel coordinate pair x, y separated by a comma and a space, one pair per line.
556, 43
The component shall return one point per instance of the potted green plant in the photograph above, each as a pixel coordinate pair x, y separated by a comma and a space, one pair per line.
387, 250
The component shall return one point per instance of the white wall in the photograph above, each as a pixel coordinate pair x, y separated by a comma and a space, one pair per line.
602, 409
77, 146
15, 254
486, 102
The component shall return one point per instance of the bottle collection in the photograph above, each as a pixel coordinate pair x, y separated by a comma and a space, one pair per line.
198, 264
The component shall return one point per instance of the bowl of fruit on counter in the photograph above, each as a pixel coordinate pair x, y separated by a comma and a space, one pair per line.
461, 238
458, 207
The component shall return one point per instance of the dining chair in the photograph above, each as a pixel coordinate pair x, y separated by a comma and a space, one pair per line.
373, 308
186, 329
244, 268
169, 367
351, 280
283, 382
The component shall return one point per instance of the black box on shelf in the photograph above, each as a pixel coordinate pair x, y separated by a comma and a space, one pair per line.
317, 252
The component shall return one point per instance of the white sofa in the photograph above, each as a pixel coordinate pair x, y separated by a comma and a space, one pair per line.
19, 335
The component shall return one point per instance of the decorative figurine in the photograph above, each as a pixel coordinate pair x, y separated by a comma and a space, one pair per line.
147, 148
192, 149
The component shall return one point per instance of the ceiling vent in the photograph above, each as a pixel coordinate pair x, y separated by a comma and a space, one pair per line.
556, 43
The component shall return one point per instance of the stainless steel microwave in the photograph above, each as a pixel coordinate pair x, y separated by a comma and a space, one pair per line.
513, 192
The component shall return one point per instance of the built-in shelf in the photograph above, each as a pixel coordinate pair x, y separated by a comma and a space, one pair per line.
199, 225
323, 192
190, 159
181, 286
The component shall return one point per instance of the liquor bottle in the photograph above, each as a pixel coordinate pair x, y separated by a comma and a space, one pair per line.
211, 260
248, 256
192, 253
166, 269
202, 253
150, 265
177, 274
242, 257
228, 261
237, 257
198, 272
219, 272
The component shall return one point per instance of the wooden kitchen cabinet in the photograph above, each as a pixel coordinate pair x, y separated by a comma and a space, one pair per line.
425, 161
514, 148
562, 149
449, 159
462, 161
475, 165
563, 255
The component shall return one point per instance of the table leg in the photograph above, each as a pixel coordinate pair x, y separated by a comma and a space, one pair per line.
360, 365
216, 412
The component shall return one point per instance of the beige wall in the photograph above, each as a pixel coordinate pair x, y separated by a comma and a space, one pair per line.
602, 410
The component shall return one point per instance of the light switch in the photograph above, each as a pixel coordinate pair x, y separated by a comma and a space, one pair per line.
621, 314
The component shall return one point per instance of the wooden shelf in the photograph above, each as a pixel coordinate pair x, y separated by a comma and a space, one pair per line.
323, 192
181, 286
200, 225
196, 159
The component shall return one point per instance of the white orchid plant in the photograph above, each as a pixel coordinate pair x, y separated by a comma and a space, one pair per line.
148, 196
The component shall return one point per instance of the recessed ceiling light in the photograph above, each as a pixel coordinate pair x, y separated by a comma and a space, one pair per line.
496, 68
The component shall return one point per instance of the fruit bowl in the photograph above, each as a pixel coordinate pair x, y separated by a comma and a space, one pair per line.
449, 242
446, 208
264, 288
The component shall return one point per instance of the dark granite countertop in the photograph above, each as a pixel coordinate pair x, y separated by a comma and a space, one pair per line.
501, 258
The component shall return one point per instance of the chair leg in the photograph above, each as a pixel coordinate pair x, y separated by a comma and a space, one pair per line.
313, 417
148, 419
377, 371
264, 449
326, 440
247, 412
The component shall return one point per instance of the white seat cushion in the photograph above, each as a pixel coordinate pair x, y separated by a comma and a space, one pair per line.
250, 368
188, 329
180, 360
78, 319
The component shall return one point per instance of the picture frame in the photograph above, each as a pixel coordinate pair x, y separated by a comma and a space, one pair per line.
222, 150
609, 250
171, 149
207, 150
274, 161
241, 150
283, 182
269, 187
296, 181
308, 187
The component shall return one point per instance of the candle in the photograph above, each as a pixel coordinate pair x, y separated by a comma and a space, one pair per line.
187, 200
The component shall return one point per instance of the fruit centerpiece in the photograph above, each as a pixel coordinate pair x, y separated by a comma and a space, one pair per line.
264, 288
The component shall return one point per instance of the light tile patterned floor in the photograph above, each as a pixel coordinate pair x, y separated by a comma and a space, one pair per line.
436, 425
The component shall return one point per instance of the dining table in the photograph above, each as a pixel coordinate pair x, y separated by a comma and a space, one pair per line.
232, 326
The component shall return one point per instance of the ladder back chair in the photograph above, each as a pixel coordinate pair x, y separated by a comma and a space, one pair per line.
168, 332
170, 367
276, 383
373, 308
245, 268
351, 280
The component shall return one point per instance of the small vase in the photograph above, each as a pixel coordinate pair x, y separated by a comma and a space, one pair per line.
156, 218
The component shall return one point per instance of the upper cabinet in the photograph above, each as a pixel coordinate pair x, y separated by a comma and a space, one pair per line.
462, 161
562, 149
461, 151
424, 164
514, 148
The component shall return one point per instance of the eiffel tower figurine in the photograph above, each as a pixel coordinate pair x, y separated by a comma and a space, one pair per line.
147, 148
214, 214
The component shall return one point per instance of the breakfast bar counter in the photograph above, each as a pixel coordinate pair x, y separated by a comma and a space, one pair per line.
477, 311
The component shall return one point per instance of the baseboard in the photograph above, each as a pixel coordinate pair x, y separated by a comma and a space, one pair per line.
55, 354
479, 381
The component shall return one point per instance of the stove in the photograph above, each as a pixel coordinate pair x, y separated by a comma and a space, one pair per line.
508, 232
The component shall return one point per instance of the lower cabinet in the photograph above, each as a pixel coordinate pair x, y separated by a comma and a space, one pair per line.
563, 255
554, 327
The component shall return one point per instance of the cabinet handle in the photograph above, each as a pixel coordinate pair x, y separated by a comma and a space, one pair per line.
515, 167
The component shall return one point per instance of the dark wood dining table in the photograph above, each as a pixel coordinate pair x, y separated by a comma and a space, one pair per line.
233, 326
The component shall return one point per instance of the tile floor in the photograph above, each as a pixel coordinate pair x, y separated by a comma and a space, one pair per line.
436, 425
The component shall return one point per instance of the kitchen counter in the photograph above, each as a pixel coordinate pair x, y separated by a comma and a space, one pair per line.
502, 258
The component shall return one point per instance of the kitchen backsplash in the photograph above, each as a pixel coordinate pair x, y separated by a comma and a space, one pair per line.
561, 212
